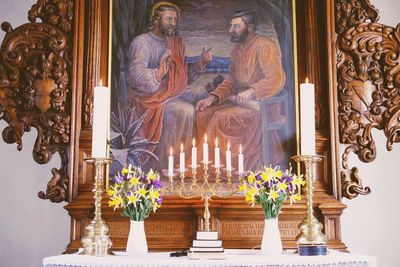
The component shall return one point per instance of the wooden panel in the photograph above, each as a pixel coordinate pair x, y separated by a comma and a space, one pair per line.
240, 226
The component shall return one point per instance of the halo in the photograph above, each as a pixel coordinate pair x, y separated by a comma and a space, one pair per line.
163, 3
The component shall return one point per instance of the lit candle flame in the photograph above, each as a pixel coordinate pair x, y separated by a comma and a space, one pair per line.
194, 142
229, 145
240, 149
170, 151
181, 147
101, 82
306, 79
205, 138
216, 141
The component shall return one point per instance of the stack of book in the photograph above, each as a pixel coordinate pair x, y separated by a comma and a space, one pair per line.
206, 245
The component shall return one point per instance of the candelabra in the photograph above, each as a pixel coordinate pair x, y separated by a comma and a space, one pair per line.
96, 240
205, 189
311, 241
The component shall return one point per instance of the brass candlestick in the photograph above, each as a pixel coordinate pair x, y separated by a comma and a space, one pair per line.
311, 241
96, 240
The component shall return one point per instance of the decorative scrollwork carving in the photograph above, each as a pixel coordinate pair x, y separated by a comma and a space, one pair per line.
368, 73
58, 13
351, 12
352, 184
35, 68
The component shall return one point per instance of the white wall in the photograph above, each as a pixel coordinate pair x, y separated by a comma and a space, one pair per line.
30, 228
370, 223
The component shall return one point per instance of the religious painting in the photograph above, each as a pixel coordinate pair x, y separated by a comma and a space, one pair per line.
188, 70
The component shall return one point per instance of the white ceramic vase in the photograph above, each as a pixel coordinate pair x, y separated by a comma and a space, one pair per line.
137, 243
271, 240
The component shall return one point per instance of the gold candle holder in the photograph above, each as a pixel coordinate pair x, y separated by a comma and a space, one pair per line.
96, 240
206, 193
311, 240
204, 188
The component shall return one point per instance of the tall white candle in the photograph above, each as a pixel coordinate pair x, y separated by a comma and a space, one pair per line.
307, 118
170, 163
228, 159
182, 160
101, 110
205, 150
240, 169
216, 154
194, 154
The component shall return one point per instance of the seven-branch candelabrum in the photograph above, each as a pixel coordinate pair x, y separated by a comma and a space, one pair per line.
215, 179
97, 230
206, 188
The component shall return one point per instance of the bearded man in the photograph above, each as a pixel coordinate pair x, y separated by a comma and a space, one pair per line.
255, 72
159, 77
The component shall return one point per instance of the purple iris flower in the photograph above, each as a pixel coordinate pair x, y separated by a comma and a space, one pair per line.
159, 200
289, 179
129, 193
258, 186
118, 179
290, 187
258, 177
268, 184
157, 184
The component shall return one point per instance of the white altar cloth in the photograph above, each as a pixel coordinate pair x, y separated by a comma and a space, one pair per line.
234, 258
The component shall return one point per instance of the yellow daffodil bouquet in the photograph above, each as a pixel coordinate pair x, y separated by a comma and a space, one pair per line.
271, 187
136, 192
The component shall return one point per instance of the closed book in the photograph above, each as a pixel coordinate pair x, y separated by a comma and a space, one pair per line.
207, 235
207, 243
206, 249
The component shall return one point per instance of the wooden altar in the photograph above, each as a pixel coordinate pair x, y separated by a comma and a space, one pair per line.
239, 225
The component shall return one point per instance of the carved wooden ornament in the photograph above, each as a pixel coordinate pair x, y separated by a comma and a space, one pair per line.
368, 84
35, 66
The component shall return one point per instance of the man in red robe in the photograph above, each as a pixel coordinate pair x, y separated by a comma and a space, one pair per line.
159, 77
255, 72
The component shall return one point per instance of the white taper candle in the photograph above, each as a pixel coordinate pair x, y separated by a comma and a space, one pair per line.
240, 160
205, 150
216, 154
101, 104
307, 118
182, 160
228, 158
170, 163
194, 154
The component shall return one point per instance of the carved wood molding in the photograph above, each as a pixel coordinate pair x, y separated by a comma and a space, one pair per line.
351, 12
368, 84
35, 87
92, 60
